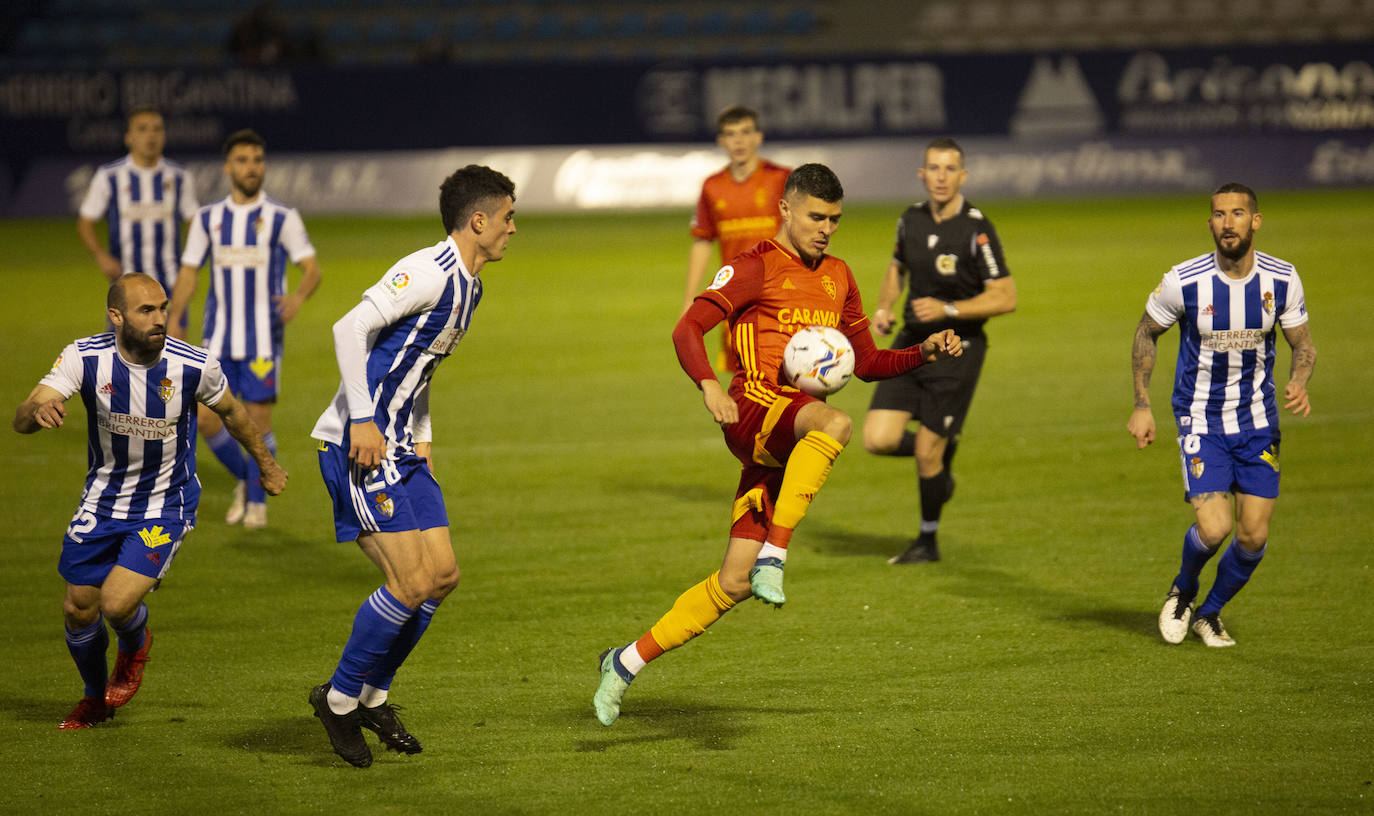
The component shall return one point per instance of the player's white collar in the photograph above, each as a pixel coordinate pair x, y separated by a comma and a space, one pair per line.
458, 256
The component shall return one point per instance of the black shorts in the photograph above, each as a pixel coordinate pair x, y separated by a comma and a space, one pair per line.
937, 395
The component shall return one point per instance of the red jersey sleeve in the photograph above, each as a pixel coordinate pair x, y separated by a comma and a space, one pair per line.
870, 362
700, 318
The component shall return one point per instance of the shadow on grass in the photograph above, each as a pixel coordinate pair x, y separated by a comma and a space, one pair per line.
301, 737
832, 540
710, 728
1054, 605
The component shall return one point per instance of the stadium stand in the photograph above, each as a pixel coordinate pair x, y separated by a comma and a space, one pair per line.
92, 34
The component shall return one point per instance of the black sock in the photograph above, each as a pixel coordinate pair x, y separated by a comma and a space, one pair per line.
933, 493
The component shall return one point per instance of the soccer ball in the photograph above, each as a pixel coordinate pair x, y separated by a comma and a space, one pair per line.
818, 360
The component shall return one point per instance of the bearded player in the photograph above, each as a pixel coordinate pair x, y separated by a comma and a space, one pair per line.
786, 441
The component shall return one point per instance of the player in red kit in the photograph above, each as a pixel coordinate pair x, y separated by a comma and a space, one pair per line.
738, 205
785, 440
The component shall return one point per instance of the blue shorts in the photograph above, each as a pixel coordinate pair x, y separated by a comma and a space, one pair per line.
94, 545
253, 380
399, 495
1230, 463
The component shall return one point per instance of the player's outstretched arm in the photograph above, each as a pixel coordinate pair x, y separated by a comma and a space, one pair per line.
241, 426
1304, 361
45, 408
1141, 425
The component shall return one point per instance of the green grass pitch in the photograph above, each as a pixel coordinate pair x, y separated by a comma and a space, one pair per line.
587, 487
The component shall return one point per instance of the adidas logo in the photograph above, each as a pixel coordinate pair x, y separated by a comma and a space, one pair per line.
788, 284
1209, 311
107, 389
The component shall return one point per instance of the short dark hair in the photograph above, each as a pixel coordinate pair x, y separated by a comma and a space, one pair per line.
814, 180
139, 111
246, 136
468, 190
944, 143
1237, 187
734, 114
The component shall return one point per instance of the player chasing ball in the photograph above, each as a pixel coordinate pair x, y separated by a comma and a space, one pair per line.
141, 391
1228, 305
786, 440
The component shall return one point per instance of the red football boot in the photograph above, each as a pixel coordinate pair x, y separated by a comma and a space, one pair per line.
89, 712
128, 673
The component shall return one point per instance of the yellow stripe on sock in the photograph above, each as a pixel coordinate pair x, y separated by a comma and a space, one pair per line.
692, 612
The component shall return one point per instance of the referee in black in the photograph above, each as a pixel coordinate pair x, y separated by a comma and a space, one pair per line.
948, 253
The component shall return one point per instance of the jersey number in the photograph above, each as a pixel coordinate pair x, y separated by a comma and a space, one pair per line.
83, 523
381, 476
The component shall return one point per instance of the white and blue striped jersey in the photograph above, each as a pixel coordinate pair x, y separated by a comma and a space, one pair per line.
411, 320
141, 425
144, 208
247, 246
1224, 379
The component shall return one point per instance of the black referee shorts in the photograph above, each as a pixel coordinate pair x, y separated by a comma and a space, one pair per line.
938, 394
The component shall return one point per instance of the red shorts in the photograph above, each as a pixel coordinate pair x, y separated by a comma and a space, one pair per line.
761, 440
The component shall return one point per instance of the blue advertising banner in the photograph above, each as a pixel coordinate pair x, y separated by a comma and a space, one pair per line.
1316, 94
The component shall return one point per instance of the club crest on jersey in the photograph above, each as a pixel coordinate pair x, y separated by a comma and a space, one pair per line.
1196, 467
760, 198
1268, 302
828, 285
258, 225
385, 505
722, 277
165, 390
945, 264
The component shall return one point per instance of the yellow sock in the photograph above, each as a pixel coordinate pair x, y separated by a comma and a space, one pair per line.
692, 612
807, 468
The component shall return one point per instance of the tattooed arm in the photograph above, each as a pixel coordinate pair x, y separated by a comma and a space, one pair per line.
1142, 422
1304, 360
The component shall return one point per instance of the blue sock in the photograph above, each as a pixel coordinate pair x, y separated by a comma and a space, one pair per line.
132, 630
256, 493
88, 650
226, 450
385, 670
1233, 571
1195, 556
375, 628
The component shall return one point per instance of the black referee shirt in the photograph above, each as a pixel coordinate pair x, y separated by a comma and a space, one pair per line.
951, 260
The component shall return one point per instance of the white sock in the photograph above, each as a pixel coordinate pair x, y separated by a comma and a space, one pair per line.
929, 527
371, 697
630, 659
772, 551
341, 703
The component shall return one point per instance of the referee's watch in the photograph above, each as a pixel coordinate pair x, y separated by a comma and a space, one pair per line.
951, 310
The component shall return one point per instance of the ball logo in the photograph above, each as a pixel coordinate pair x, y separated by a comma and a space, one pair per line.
722, 277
